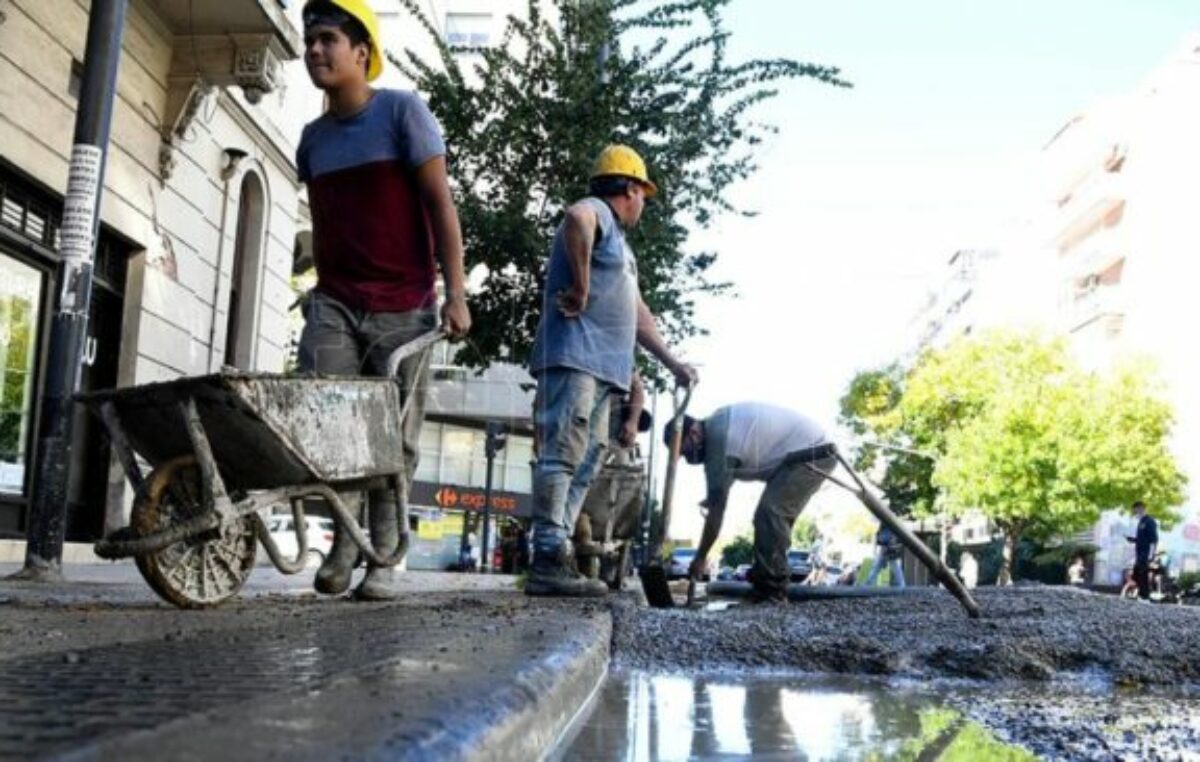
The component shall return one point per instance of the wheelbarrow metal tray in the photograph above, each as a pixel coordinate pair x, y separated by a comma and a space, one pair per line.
268, 430
618, 490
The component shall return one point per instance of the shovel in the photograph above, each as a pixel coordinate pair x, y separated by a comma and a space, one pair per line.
654, 573
885, 515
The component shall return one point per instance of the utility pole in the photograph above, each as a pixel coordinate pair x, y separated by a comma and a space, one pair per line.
496, 439
68, 332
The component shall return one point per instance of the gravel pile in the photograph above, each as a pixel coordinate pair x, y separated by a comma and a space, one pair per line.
1024, 633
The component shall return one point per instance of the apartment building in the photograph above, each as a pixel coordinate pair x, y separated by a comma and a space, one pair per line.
1121, 225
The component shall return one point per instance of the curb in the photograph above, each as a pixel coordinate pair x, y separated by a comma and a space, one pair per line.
541, 706
13, 552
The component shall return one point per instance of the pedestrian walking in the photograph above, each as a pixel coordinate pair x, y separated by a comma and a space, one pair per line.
1145, 544
888, 554
751, 441
592, 317
1077, 572
383, 219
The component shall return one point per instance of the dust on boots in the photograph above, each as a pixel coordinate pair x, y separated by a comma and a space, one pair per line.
555, 575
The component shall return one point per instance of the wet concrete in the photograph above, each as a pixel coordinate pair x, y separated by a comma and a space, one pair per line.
640, 716
1025, 633
1067, 674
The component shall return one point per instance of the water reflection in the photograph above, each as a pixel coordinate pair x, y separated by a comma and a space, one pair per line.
642, 717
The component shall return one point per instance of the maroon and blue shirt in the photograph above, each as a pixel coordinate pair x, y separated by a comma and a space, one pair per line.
373, 243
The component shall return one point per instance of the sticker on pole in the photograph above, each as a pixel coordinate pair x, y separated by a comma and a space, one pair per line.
79, 207
79, 217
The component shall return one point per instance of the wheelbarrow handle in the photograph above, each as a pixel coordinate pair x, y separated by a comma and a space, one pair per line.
681, 397
417, 345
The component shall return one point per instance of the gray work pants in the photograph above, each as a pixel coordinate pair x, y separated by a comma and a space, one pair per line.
788, 490
340, 341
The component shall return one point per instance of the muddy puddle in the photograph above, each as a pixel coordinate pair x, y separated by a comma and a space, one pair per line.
640, 717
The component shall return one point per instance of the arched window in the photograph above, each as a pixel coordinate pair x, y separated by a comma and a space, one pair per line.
241, 331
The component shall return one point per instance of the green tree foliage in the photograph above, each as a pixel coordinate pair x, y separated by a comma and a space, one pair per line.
804, 532
1023, 435
869, 410
523, 129
738, 551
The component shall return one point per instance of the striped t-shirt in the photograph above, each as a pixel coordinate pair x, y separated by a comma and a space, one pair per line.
372, 240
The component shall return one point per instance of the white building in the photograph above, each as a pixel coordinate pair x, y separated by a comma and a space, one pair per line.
1121, 218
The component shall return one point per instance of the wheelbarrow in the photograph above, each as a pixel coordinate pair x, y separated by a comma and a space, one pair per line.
224, 448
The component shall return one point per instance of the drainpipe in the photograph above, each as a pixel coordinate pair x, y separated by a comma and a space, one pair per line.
232, 158
68, 332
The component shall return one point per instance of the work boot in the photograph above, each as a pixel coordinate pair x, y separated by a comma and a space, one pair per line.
333, 578
556, 575
378, 584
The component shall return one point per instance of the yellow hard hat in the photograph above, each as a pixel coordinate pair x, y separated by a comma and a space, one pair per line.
623, 161
365, 16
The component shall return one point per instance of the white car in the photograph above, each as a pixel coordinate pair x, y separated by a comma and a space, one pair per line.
681, 562
319, 535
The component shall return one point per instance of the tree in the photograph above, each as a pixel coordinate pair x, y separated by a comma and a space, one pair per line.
1023, 435
1044, 460
523, 130
869, 410
804, 532
738, 551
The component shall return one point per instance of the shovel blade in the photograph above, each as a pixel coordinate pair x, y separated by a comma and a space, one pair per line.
654, 585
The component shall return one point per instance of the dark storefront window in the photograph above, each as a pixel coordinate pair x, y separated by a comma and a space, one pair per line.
29, 239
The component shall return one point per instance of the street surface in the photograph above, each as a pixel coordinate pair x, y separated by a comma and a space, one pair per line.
98, 669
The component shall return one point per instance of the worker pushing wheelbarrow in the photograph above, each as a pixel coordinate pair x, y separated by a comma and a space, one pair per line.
226, 447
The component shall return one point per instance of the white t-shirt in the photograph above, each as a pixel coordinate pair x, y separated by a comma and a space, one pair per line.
760, 436
749, 440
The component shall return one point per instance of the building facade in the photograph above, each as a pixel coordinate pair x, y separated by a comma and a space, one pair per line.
199, 214
1120, 221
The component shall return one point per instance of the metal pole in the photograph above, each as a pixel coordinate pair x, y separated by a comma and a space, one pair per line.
68, 332
493, 443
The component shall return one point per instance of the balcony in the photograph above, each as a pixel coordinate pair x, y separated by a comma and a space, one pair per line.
1093, 304
1098, 254
220, 43
1095, 205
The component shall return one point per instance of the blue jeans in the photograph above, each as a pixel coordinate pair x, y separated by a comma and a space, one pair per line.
570, 418
881, 560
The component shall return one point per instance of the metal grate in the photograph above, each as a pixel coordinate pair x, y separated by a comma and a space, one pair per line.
36, 217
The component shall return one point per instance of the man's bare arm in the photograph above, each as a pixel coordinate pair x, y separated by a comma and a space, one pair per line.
579, 233
652, 341
433, 186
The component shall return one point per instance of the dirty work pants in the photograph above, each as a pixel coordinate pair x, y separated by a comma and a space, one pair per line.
340, 341
787, 492
881, 560
570, 418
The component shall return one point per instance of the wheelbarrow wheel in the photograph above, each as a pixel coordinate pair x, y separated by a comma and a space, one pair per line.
200, 571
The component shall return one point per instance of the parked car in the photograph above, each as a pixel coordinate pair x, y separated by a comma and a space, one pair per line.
800, 563
319, 534
742, 573
680, 563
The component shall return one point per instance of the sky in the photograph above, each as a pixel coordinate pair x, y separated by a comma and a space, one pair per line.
866, 192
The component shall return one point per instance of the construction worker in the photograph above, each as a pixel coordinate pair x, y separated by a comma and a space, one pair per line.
592, 316
383, 219
751, 441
